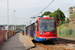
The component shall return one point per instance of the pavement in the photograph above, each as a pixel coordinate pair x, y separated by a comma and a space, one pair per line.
17, 42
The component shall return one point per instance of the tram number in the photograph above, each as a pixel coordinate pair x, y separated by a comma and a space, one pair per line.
48, 38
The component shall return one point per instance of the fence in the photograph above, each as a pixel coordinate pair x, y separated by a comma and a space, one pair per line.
3, 35
66, 32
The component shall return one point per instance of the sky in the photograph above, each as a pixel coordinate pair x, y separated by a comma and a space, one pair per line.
29, 8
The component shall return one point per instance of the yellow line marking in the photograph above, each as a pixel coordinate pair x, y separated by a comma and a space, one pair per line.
32, 42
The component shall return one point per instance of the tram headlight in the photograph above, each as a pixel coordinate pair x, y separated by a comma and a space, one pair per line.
54, 33
41, 33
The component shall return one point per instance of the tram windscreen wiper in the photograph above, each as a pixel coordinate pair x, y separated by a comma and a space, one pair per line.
42, 29
52, 30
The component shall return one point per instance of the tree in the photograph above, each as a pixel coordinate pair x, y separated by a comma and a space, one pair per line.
56, 15
46, 13
73, 16
51, 14
67, 20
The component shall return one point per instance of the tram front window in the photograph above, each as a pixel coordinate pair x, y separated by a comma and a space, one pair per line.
47, 24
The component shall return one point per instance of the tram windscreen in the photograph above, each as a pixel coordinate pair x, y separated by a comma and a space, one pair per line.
47, 24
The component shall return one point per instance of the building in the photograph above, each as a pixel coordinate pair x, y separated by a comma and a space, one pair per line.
71, 11
2, 27
10, 27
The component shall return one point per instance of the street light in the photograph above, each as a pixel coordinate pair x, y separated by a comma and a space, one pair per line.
13, 18
25, 26
15, 23
7, 20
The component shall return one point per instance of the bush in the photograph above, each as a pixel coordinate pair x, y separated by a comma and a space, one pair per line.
68, 20
73, 16
70, 31
66, 25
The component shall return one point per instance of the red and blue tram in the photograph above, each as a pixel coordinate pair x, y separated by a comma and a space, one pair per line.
42, 29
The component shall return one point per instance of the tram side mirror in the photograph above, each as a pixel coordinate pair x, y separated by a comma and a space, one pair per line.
36, 21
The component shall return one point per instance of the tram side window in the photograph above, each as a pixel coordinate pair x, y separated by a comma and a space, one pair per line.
28, 29
36, 26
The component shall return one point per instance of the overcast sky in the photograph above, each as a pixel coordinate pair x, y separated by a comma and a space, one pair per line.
28, 8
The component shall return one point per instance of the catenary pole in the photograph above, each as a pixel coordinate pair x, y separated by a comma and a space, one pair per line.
59, 22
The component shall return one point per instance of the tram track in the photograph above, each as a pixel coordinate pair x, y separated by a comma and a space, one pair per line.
62, 44
66, 40
44, 46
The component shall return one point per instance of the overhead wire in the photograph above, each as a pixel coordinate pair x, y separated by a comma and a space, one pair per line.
44, 8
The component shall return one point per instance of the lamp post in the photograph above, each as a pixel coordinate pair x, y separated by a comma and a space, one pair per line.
25, 26
15, 23
14, 19
7, 20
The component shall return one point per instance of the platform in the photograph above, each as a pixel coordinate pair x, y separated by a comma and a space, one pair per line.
17, 42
